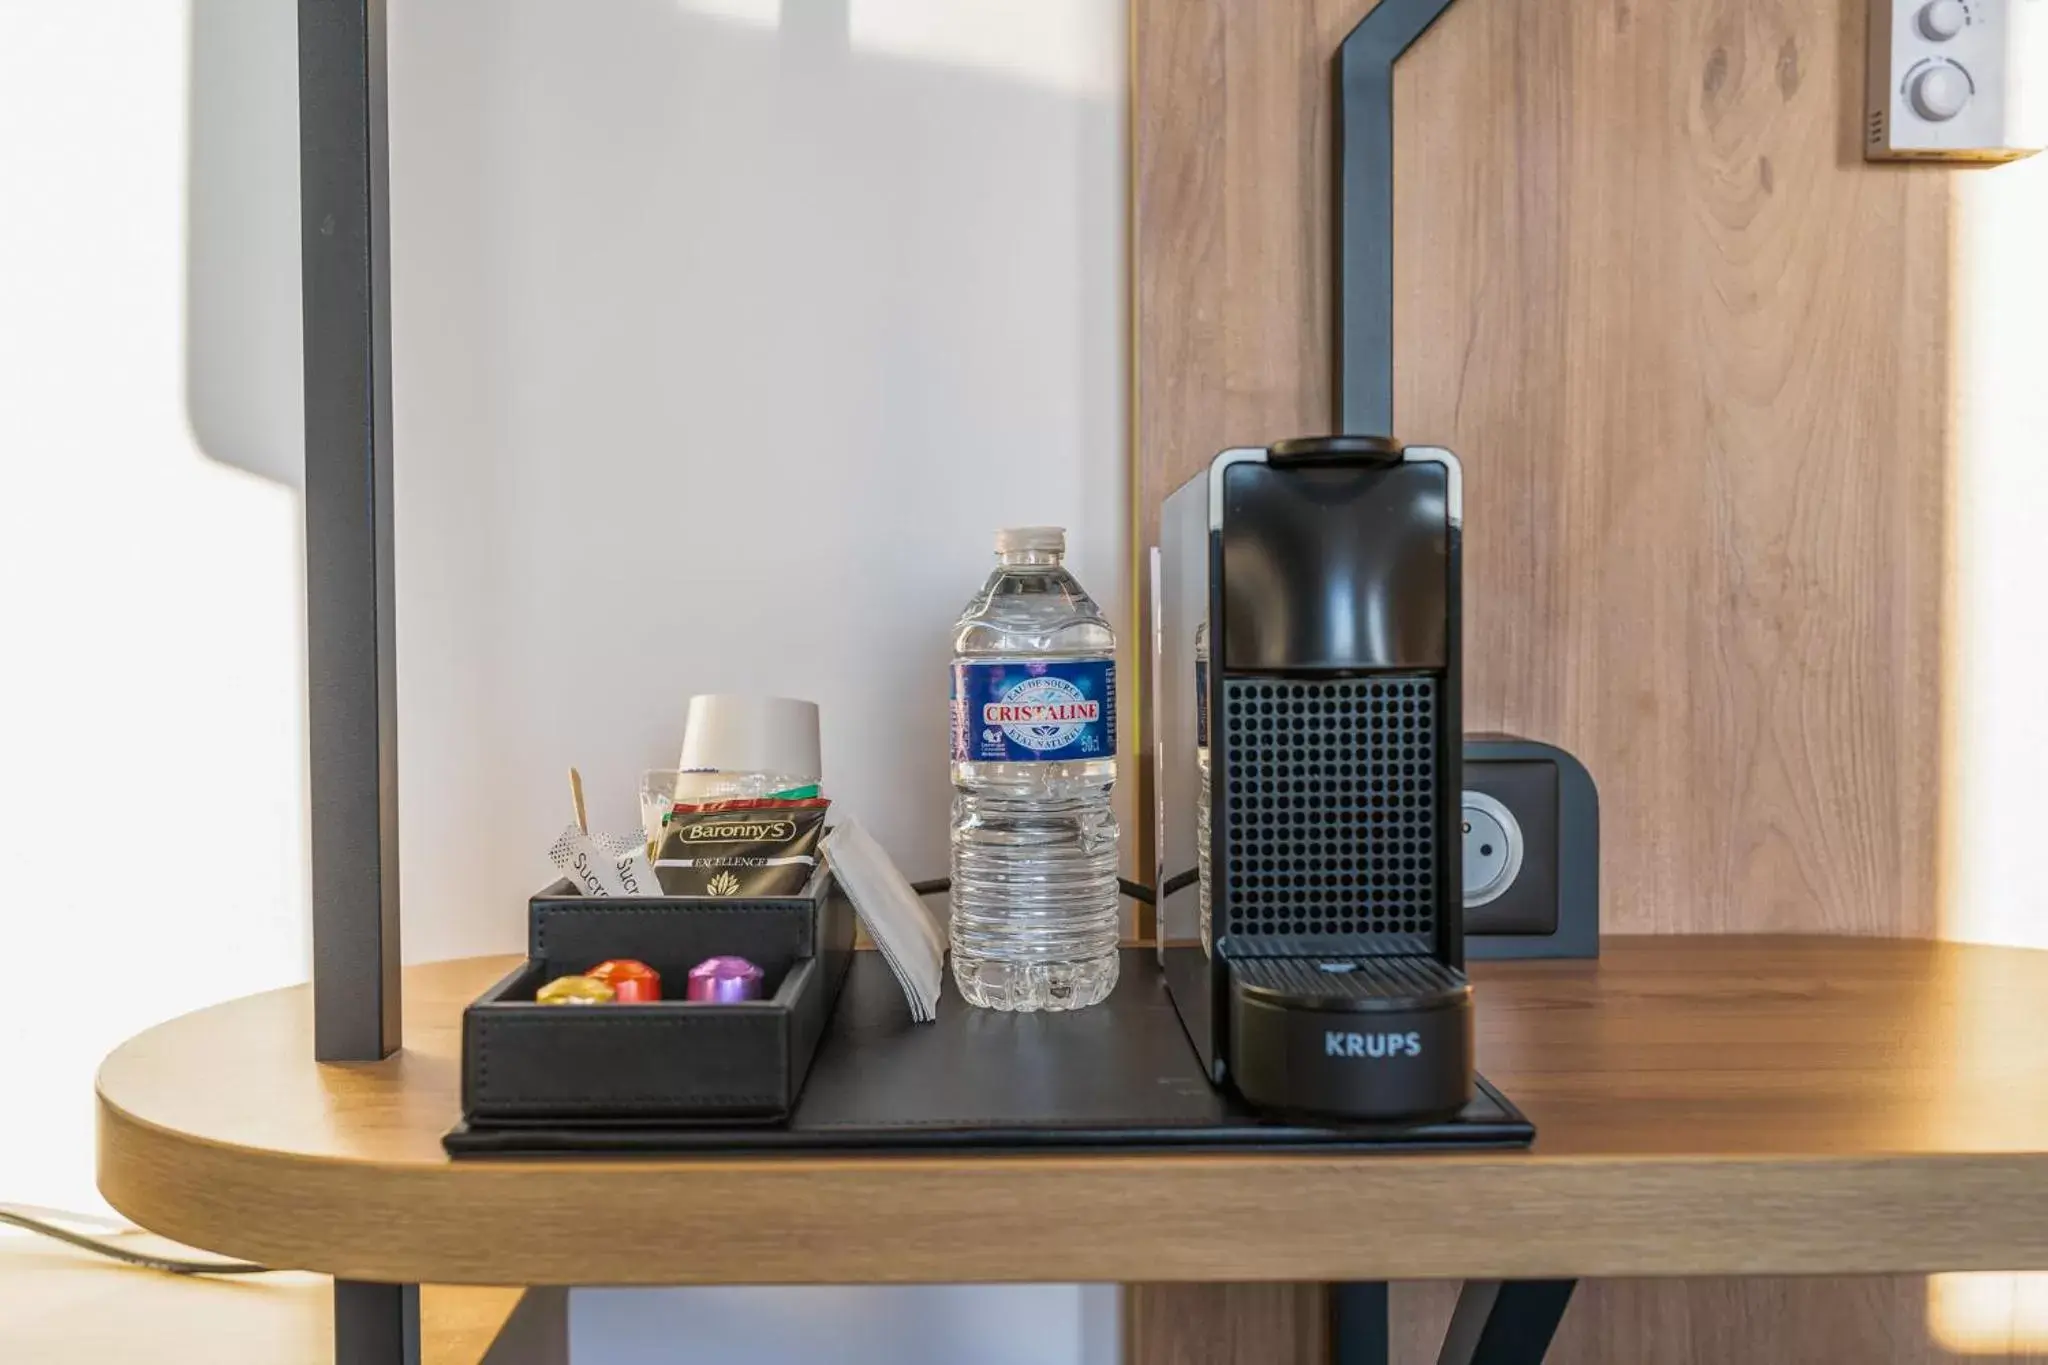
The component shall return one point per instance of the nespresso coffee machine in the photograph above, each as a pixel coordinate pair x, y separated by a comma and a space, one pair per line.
1307, 701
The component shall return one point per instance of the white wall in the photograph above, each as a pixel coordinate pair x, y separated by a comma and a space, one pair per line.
1997, 688
151, 736
862, 1325
725, 334
1996, 768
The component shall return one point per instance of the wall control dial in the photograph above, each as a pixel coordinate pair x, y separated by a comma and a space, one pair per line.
1942, 20
1956, 80
1939, 92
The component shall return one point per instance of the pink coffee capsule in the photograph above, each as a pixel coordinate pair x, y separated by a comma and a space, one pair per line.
724, 980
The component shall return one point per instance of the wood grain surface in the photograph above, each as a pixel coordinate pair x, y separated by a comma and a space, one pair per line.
1227, 1324
1719, 1105
1694, 355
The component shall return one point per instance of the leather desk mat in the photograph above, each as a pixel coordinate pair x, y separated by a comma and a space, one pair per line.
1121, 1075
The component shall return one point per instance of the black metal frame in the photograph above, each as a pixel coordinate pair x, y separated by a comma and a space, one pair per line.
1505, 1322
1365, 210
1496, 1322
1359, 1332
351, 680
376, 1324
351, 645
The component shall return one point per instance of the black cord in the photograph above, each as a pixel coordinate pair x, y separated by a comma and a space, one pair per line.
169, 1265
1140, 893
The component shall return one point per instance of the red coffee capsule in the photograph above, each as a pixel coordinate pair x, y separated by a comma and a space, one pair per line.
632, 983
636, 990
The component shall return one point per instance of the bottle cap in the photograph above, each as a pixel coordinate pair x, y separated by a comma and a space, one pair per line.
731, 733
1048, 538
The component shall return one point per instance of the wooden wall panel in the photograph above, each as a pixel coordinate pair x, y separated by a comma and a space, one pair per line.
1226, 1324
1875, 1321
1694, 355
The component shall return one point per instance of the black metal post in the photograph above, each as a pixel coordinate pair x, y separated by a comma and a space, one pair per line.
351, 678
1497, 1322
1365, 210
1505, 1322
1358, 1323
350, 644
376, 1324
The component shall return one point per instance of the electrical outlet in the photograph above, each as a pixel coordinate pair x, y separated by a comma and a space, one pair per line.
1493, 849
1531, 851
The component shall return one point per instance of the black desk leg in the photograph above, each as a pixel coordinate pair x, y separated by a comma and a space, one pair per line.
1505, 1322
1358, 1322
376, 1324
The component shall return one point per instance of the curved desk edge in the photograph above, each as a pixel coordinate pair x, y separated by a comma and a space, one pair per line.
1704, 1106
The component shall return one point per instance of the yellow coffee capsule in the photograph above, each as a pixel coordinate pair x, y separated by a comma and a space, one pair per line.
575, 990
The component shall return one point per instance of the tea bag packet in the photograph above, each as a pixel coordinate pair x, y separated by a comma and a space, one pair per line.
605, 864
662, 790
901, 925
741, 848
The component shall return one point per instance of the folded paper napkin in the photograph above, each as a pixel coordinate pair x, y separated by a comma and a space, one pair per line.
903, 928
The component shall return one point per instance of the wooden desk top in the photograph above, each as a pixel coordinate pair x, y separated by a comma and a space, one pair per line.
1706, 1105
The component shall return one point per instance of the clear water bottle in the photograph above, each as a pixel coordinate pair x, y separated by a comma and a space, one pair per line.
1035, 922
1202, 778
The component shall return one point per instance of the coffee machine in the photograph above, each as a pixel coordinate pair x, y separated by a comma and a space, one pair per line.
1307, 682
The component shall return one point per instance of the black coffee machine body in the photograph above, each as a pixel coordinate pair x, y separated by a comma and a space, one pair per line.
1307, 656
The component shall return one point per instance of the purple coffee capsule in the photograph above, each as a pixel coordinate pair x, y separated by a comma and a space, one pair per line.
723, 980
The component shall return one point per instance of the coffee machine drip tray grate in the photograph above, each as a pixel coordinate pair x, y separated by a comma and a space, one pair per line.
1350, 983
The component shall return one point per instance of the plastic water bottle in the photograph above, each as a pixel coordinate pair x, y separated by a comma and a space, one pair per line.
1035, 922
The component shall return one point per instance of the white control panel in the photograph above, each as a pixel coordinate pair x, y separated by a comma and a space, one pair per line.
1957, 80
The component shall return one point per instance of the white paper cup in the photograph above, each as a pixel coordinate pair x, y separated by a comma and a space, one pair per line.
731, 733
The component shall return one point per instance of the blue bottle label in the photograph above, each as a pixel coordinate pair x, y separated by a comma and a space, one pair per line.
1033, 710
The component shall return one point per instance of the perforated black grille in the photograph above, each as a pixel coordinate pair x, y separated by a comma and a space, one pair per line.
1329, 807
1357, 978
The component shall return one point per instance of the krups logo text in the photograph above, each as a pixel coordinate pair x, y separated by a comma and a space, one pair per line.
1337, 1044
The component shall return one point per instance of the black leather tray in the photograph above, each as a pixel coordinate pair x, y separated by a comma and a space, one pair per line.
675, 1062
1121, 1075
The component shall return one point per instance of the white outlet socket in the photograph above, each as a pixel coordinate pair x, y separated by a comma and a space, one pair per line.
1493, 849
